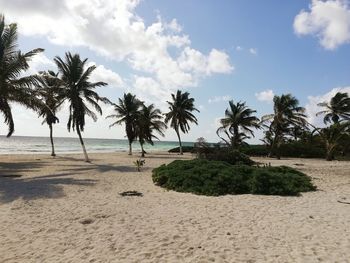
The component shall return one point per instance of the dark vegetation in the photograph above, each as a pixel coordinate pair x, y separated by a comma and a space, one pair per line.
314, 148
215, 178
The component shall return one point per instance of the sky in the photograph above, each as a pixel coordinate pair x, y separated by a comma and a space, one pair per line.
216, 50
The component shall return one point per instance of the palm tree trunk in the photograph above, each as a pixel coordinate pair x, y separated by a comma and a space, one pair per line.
178, 136
82, 145
278, 154
51, 139
142, 150
273, 146
329, 152
235, 137
130, 148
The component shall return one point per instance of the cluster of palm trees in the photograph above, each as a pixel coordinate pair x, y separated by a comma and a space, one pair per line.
142, 121
47, 92
287, 122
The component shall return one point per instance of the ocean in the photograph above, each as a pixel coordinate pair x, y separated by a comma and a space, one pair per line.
27, 144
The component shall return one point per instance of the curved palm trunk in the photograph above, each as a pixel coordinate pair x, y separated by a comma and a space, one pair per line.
180, 143
51, 139
82, 145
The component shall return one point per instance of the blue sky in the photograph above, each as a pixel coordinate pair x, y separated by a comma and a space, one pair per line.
245, 50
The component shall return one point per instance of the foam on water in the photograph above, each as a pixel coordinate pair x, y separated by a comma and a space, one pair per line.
26, 144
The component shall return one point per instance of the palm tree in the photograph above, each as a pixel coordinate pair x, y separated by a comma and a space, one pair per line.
48, 90
337, 109
332, 135
237, 123
149, 121
287, 114
79, 92
127, 112
14, 87
180, 113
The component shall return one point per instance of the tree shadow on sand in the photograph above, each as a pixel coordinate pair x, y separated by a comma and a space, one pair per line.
37, 187
14, 183
18, 167
81, 166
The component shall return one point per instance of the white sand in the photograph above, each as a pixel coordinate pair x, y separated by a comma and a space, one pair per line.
41, 215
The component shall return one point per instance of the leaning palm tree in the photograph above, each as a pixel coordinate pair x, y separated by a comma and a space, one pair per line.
287, 114
47, 90
127, 111
180, 114
14, 87
79, 92
338, 109
149, 121
238, 123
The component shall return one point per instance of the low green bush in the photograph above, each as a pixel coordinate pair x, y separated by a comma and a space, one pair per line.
215, 178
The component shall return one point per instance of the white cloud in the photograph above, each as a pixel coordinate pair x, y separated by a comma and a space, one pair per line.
40, 63
312, 108
193, 60
106, 75
328, 20
253, 51
149, 90
217, 99
216, 123
218, 62
113, 29
265, 96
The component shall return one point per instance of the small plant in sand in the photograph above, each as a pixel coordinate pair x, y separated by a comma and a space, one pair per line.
139, 163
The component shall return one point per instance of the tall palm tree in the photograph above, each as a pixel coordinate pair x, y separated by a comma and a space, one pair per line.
14, 87
180, 114
287, 114
149, 121
337, 109
238, 123
127, 112
47, 90
79, 92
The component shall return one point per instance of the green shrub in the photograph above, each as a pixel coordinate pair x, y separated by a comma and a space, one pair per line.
280, 181
301, 149
255, 150
297, 149
185, 149
229, 155
219, 178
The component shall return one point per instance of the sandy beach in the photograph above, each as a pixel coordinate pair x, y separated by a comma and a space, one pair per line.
66, 210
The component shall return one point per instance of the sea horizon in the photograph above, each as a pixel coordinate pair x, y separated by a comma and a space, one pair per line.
20, 144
